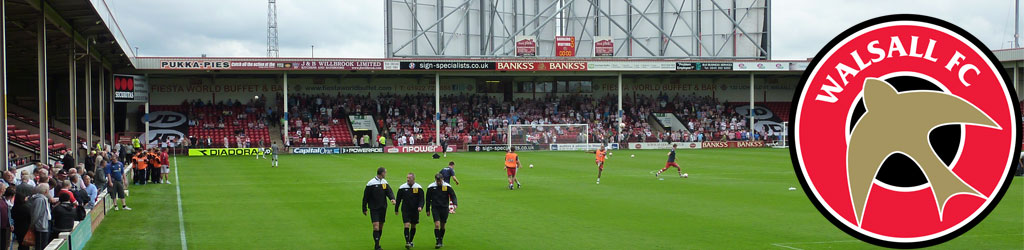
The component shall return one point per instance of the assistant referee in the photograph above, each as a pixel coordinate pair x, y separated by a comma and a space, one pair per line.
439, 194
376, 197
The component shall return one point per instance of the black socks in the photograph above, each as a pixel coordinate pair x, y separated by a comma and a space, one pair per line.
408, 238
376, 238
437, 235
412, 234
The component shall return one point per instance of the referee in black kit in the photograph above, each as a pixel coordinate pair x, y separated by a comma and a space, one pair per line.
410, 199
376, 197
438, 195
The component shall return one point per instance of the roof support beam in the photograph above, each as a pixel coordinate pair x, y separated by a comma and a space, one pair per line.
51, 15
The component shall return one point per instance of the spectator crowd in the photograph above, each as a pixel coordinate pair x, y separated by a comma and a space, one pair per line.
40, 203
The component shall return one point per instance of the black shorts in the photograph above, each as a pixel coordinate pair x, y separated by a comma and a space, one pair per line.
412, 217
117, 192
377, 215
440, 213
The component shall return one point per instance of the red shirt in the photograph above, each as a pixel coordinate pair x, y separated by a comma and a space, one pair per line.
163, 159
65, 191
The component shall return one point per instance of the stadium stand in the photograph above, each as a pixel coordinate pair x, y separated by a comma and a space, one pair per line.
316, 117
52, 129
240, 125
23, 139
483, 119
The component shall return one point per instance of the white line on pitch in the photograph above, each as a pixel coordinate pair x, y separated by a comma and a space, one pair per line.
181, 216
785, 246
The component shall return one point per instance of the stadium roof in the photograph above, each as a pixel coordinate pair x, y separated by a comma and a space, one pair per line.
67, 22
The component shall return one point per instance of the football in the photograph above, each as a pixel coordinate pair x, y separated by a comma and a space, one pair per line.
632, 156
531, 165
685, 175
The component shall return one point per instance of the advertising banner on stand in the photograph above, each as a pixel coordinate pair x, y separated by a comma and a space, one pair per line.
417, 149
604, 46
664, 145
316, 151
500, 147
732, 144
526, 46
224, 151
580, 146
131, 88
447, 65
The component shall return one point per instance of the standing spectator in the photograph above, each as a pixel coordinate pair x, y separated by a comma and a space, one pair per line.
6, 227
139, 164
39, 207
90, 190
64, 214
10, 157
100, 176
68, 161
27, 186
89, 162
115, 181
165, 166
21, 215
153, 158
9, 179
65, 188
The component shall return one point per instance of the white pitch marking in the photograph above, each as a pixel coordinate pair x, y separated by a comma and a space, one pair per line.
181, 216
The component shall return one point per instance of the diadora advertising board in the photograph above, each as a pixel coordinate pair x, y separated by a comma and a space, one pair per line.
224, 151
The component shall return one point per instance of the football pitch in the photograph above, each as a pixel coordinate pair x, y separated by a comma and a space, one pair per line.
733, 199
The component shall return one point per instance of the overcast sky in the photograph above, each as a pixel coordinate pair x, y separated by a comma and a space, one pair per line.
354, 28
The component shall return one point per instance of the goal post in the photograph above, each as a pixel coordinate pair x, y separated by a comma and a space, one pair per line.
784, 143
541, 135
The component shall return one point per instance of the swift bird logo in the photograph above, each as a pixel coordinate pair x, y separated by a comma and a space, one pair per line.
905, 131
905, 119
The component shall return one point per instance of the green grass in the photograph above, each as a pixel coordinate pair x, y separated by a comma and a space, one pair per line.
734, 199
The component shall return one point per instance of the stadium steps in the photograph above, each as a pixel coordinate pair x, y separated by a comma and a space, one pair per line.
32, 129
275, 134
54, 123
656, 126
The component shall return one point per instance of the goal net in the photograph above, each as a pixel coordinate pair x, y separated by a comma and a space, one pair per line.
542, 136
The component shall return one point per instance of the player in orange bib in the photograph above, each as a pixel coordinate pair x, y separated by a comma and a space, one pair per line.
512, 167
599, 155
